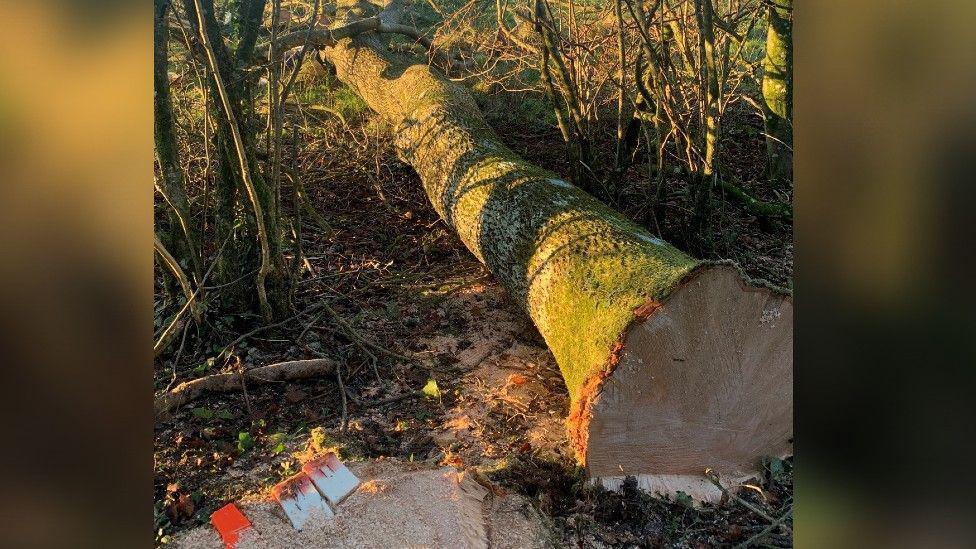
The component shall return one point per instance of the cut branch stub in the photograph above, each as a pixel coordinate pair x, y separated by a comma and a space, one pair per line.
615, 305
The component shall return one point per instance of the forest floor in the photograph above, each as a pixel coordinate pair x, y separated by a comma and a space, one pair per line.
394, 272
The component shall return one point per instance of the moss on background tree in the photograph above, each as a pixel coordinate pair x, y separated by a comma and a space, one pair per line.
777, 89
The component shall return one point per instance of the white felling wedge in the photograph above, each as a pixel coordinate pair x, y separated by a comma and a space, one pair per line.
331, 477
299, 499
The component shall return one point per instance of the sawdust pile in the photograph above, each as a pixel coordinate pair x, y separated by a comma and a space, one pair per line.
398, 505
512, 398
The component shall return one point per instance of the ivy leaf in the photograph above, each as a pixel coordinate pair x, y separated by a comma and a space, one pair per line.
204, 367
203, 413
278, 442
244, 441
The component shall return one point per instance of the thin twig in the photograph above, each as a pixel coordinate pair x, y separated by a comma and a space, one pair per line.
387, 401
247, 398
266, 327
308, 327
166, 337
342, 393
398, 398
179, 353
179, 274
306, 47
713, 478
360, 339
768, 530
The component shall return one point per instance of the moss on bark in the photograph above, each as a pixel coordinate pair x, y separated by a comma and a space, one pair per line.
578, 268
777, 89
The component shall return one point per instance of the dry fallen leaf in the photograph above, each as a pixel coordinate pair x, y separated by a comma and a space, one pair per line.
453, 460
517, 379
185, 505
179, 507
458, 423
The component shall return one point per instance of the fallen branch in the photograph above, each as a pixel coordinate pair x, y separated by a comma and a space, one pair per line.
325, 38
754, 205
714, 479
766, 531
232, 381
321, 38
621, 310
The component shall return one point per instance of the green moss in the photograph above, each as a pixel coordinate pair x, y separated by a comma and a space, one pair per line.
334, 96
578, 268
348, 103
588, 307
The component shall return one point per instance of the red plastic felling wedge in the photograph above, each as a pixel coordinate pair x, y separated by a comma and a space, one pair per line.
230, 523
331, 477
298, 499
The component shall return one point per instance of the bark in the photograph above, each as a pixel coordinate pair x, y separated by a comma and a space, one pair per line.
701, 226
586, 275
182, 238
777, 89
563, 255
250, 13
241, 176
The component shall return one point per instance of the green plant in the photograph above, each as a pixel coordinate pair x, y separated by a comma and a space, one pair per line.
244, 441
277, 442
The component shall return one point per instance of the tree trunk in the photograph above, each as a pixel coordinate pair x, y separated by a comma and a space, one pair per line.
777, 89
701, 226
181, 238
240, 177
673, 365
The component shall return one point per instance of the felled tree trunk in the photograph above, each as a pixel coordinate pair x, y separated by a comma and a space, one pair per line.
673, 365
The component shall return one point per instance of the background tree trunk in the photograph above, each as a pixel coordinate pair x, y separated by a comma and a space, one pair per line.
777, 89
181, 238
240, 179
605, 294
701, 226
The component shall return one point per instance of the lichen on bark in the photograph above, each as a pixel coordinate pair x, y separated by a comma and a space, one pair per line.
579, 268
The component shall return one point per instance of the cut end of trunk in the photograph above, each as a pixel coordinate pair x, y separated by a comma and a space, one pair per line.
702, 381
